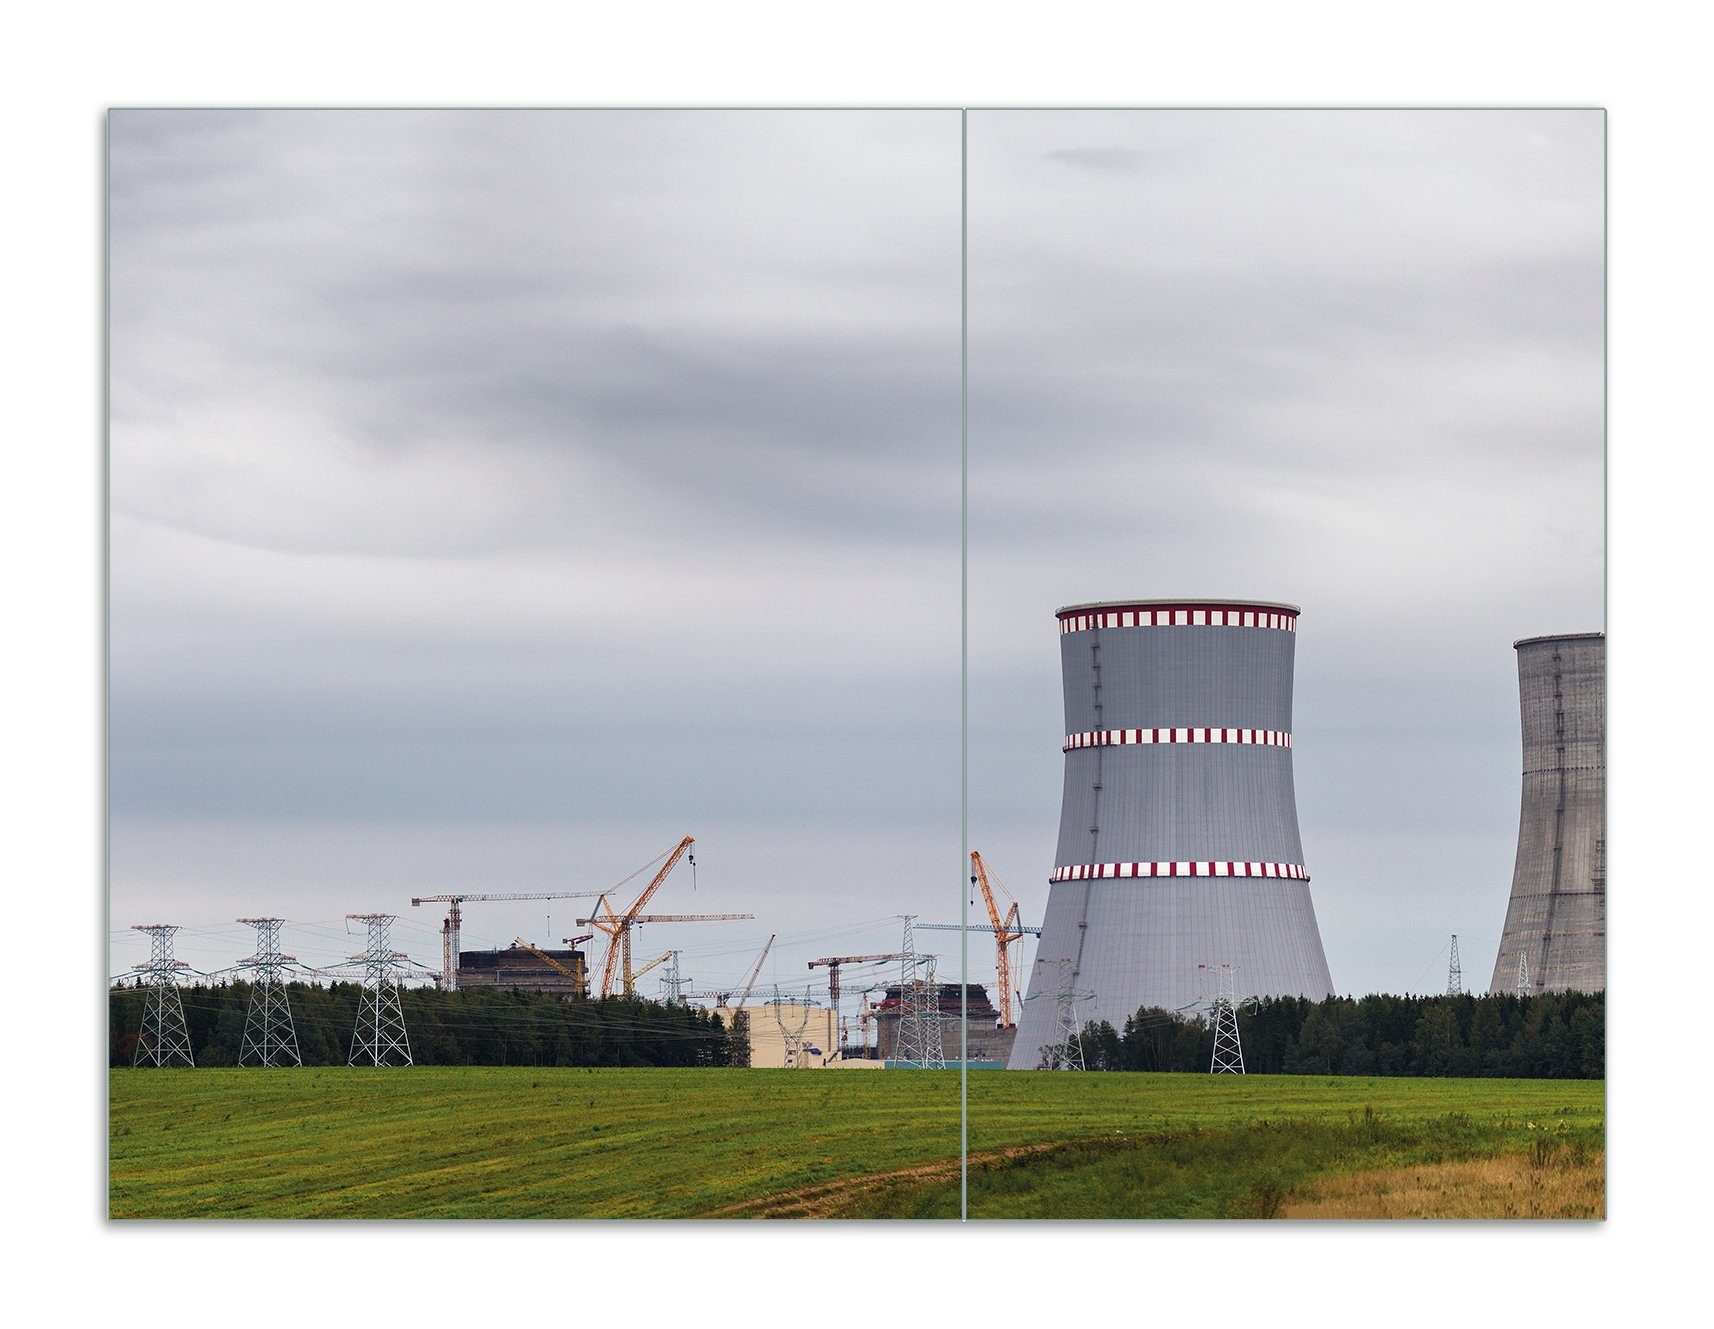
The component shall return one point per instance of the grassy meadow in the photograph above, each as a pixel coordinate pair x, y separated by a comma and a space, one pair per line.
516, 1142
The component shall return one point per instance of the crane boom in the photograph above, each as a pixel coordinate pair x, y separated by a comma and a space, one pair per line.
1006, 931
688, 918
618, 926
536, 895
540, 954
834, 961
751, 981
632, 977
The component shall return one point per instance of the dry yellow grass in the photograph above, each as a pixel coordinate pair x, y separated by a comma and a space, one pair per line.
1510, 1186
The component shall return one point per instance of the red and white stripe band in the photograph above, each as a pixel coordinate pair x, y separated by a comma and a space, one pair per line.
1100, 738
1090, 871
1178, 618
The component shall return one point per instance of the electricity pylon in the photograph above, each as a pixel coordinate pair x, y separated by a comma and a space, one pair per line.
794, 1036
270, 1039
1068, 1037
933, 1053
917, 1042
673, 983
163, 1039
1523, 974
1454, 972
1228, 1056
1065, 1053
380, 1034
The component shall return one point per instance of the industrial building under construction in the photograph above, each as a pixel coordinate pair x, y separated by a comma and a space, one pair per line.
523, 968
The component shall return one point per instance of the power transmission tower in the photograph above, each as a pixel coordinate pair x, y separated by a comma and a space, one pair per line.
1068, 1039
1454, 972
794, 1036
163, 1038
270, 1039
380, 1034
1523, 974
1228, 1056
934, 1054
672, 982
918, 1040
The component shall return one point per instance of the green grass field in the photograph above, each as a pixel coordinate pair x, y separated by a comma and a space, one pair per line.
569, 1143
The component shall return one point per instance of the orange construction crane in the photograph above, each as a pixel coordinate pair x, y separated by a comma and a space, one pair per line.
1006, 931
618, 927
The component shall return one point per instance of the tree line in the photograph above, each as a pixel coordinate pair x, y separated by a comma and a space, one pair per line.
1553, 1035
471, 1027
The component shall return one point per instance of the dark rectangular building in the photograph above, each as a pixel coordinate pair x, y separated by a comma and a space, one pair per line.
521, 970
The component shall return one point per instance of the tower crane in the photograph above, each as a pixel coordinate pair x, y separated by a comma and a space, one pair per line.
455, 917
1005, 930
834, 961
618, 927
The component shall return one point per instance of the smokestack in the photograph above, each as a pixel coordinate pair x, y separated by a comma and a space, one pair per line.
1557, 918
1178, 838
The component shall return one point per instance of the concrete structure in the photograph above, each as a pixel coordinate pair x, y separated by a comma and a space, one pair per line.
987, 1041
523, 971
1557, 918
775, 1026
1178, 836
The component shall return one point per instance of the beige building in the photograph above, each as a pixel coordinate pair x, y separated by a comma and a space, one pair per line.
775, 1029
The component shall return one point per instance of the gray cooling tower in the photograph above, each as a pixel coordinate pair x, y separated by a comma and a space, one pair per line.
1557, 919
1178, 840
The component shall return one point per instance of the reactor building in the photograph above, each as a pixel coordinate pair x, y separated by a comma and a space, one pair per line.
1555, 938
1178, 837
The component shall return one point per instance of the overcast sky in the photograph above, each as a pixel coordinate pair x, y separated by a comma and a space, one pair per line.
1349, 360
497, 497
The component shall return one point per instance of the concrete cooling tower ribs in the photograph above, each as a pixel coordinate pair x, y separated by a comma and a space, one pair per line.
1555, 938
1178, 830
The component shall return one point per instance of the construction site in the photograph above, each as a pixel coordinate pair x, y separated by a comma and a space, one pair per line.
1180, 886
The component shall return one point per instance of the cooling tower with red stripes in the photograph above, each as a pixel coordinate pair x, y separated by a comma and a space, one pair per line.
1178, 838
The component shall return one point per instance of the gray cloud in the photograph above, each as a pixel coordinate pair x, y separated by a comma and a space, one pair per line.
534, 474
1115, 160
